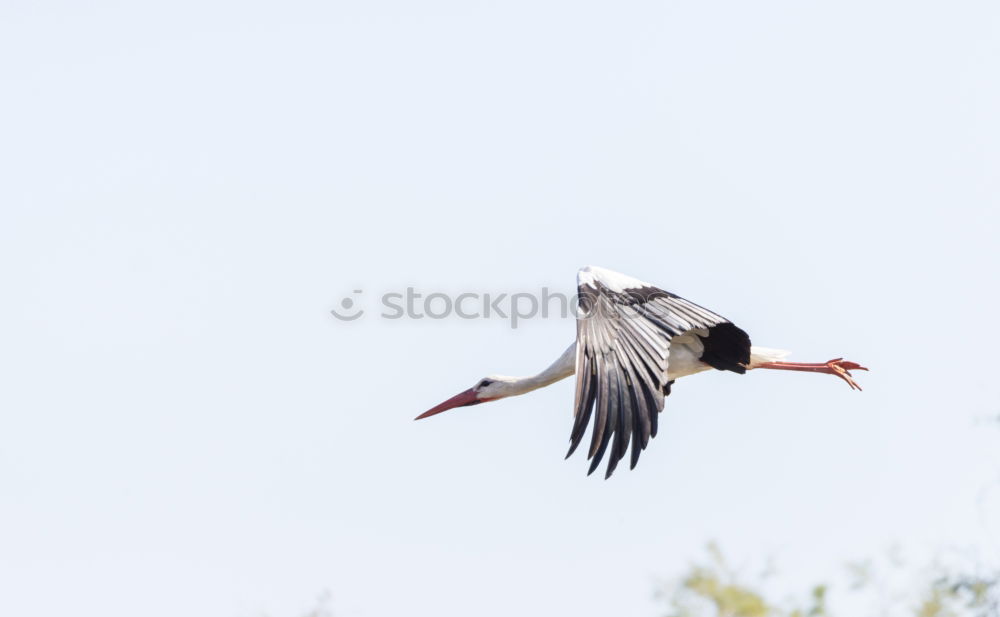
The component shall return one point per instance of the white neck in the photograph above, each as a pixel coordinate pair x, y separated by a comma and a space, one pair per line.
562, 368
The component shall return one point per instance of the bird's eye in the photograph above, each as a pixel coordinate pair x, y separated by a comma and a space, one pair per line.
482, 384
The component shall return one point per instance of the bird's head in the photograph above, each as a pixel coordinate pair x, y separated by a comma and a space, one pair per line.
486, 389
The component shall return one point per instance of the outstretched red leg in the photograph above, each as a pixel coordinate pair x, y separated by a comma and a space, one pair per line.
838, 366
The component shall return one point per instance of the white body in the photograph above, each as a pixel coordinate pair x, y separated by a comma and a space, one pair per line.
684, 351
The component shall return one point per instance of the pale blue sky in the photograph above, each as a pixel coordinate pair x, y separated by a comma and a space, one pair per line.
189, 187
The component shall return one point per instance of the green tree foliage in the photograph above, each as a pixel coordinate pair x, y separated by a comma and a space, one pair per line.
714, 589
959, 595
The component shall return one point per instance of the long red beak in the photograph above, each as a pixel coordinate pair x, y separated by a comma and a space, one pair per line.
461, 399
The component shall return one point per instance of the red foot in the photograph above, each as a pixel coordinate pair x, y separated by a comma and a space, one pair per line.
842, 368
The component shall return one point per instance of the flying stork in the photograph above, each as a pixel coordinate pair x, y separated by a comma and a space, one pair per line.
633, 341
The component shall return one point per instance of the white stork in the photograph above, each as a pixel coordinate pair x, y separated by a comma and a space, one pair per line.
633, 341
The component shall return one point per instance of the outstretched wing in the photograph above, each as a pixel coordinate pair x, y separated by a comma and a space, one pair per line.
622, 349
